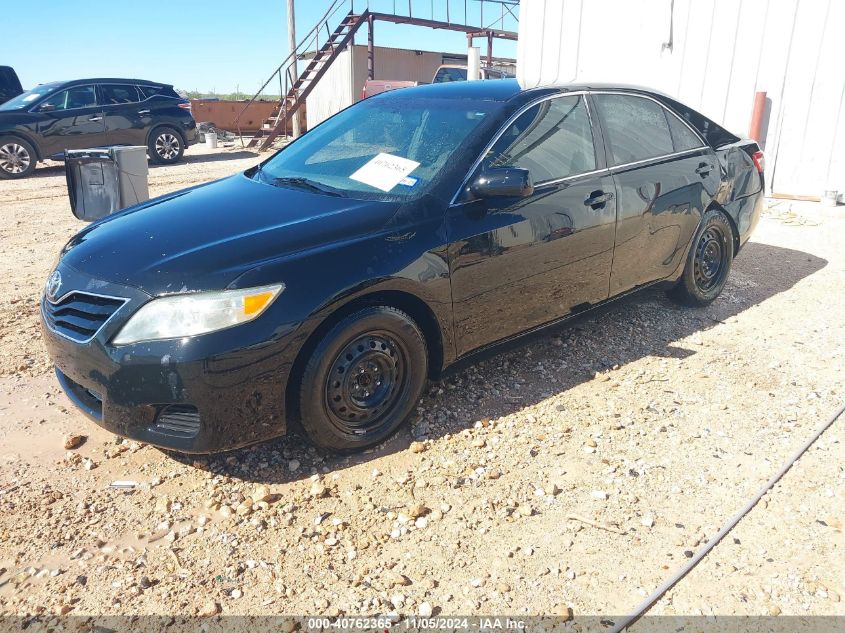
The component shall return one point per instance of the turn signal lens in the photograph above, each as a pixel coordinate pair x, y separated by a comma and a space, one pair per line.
255, 304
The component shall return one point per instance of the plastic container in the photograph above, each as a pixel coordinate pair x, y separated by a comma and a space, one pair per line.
211, 140
102, 181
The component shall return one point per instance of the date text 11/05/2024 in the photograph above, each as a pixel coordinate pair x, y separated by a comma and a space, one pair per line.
416, 623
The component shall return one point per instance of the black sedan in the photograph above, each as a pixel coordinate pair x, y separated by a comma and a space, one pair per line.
327, 284
44, 122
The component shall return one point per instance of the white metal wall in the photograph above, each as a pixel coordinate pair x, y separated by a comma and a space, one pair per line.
721, 53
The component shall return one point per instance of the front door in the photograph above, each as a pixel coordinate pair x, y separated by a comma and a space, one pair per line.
72, 119
665, 177
517, 263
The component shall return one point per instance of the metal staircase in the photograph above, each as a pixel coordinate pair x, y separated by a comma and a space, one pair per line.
295, 96
322, 55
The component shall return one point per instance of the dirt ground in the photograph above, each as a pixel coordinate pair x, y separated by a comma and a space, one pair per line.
655, 421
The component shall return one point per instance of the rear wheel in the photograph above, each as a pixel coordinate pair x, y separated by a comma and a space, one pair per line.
165, 146
708, 263
363, 379
17, 157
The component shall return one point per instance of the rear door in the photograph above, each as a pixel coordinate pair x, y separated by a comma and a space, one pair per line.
125, 117
665, 177
71, 119
517, 263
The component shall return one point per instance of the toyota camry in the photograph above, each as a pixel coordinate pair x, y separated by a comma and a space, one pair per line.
411, 230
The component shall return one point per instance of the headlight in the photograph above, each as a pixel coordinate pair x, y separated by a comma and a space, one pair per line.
196, 313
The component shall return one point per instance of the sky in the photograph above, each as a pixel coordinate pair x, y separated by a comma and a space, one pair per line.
205, 45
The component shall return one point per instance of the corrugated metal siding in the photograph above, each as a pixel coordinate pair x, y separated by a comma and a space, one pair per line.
723, 52
397, 64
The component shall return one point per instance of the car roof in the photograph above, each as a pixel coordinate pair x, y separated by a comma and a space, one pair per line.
108, 80
508, 89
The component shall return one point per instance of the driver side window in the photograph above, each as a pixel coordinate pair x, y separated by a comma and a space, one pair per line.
77, 97
552, 140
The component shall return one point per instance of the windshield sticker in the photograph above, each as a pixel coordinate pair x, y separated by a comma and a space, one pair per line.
408, 181
385, 171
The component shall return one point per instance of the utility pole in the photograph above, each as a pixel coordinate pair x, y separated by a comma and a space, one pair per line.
295, 122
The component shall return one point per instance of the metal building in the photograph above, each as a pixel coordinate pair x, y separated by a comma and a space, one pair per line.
714, 55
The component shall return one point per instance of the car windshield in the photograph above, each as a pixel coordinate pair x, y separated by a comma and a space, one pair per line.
26, 99
389, 147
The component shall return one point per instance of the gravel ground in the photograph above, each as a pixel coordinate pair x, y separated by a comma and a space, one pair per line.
650, 423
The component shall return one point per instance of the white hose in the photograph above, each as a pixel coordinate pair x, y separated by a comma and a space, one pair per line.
670, 582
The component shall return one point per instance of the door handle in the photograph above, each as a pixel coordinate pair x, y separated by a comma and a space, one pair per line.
96, 118
143, 111
597, 199
703, 169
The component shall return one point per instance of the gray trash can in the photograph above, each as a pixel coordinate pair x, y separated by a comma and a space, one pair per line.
102, 181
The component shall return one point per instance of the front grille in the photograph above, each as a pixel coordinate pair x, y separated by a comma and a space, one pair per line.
79, 315
178, 420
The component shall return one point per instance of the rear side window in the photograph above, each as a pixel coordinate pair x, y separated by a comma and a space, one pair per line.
551, 140
150, 91
636, 128
682, 136
76, 97
116, 94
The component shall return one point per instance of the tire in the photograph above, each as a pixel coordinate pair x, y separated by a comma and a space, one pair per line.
17, 158
363, 379
166, 146
708, 263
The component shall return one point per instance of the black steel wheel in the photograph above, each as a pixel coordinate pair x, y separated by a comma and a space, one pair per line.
363, 379
165, 146
708, 263
709, 260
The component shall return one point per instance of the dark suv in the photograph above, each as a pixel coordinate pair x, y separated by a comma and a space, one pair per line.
10, 85
51, 118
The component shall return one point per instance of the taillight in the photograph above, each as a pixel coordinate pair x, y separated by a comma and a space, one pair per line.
185, 105
759, 160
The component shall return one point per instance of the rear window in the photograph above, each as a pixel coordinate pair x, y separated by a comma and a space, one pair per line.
445, 75
713, 133
636, 128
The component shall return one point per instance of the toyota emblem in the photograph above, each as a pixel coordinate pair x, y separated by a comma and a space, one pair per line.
54, 283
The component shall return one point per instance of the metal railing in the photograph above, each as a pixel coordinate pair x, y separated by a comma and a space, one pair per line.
311, 43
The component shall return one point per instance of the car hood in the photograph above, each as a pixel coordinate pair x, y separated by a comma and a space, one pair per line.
205, 237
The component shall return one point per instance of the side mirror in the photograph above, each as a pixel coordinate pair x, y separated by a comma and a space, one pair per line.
510, 182
46, 107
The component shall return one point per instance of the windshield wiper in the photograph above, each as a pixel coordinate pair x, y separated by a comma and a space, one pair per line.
308, 185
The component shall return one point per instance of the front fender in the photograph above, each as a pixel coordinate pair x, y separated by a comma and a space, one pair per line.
319, 282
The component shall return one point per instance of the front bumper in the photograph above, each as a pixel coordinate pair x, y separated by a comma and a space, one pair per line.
198, 394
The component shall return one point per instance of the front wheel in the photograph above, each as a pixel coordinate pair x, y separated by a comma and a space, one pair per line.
17, 158
708, 263
165, 146
363, 379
